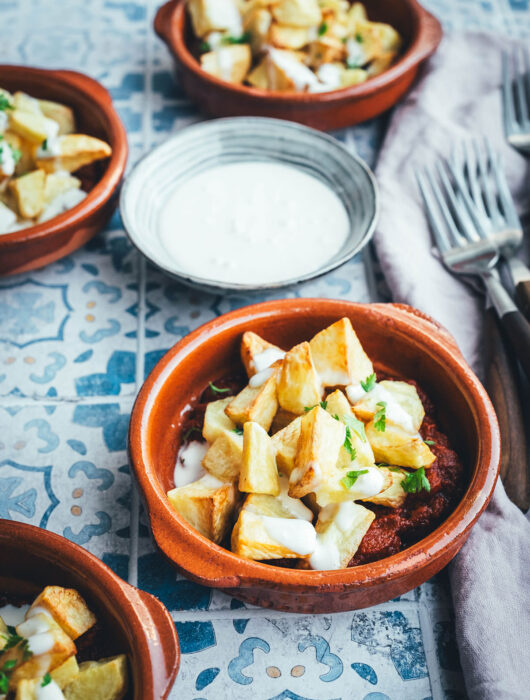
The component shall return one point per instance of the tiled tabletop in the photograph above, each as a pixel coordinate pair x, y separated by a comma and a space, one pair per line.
77, 340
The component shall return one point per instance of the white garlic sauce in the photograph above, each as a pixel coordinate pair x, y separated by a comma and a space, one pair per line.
189, 463
297, 535
252, 223
367, 485
263, 360
12, 615
61, 203
260, 378
51, 691
394, 412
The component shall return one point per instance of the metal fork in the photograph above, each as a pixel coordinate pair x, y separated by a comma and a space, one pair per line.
488, 188
466, 249
516, 99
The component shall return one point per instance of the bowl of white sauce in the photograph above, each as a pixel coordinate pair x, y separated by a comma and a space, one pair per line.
248, 204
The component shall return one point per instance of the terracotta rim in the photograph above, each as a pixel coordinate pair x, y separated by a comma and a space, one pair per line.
170, 22
180, 542
111, 179
133, 604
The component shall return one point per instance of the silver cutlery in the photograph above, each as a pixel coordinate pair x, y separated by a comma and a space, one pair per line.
466, 248
516, 99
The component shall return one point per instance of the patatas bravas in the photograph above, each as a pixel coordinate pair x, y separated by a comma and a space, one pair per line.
310, 452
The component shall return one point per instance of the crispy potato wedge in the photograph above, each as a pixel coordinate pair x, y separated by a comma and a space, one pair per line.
325, 49
57, 183
216, 422
285, 37
280, 506
257, 23
259, 473
381, 63
76, 150
321, 438
353, 76
26, 161
35, 128
207, 505
394, 495
286, 71
60, 113
26, 103
258, 404
106, 679
254, 346
333, 490
298, 384
402, 393
338, 405
339, 356
297, 13
285, 442
65, 673
223, 459
29, 193
68, 609
214, 15
396, 446
230, 63
259, 76
340, 530
357, 13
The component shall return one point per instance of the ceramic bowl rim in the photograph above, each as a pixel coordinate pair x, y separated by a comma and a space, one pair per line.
110, 180
284, 125
233, 571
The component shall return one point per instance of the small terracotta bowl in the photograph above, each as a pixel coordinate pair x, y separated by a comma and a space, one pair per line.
39, 245
402, 342
420, 30
136, 622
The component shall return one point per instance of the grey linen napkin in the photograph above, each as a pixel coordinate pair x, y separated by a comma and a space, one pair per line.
458, 95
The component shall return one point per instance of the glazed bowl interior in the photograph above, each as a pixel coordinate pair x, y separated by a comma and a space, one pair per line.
240, 139
400, 343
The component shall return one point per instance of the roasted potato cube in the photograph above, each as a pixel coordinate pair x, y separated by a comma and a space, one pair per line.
230, 63
29, 193
4, 634
68, 609
206, 504
396, 446
214, 15
106, 679
298, 385
8, 96
353, 76
394, 495
357, 13
297, 13
26, 161
286, 72
57, 183
257, 404
257, 354
337, 489
389, 38
216, 422
325, 49
223, 459
321, 438
60, 113
285, 442
257, 22
26, 103
339, 356
285, 37
259, 76
338, 405
259, 473
280, 506
65, 673
381, 63
401, 393
76, 150
35, 128
340, 529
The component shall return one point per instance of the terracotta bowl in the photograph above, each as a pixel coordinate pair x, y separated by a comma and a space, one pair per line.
402, 342
330, 110
137, 623
39, 245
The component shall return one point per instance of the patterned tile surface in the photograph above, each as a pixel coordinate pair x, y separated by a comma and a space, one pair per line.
77, 340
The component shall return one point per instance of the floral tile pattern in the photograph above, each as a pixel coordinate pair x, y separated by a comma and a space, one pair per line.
76, 341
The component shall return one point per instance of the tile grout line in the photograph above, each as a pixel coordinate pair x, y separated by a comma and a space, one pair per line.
429, 647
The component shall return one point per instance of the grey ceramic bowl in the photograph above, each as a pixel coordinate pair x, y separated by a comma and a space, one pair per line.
222, 141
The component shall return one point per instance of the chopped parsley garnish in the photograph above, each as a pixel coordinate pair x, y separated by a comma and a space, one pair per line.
5, 103
323, 29
204, 47
17, 154
429, 442
356, 425
380, 417
47, 679
347, 444
351, 477
45, 145
190, 431
416, 481
12, 641
322, 404
359, 38
243, 39
395, 469
238, 430
217, 390
5, 673
11, 629
369, 382
4, 683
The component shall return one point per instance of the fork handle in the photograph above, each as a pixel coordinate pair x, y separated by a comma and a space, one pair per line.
516, 326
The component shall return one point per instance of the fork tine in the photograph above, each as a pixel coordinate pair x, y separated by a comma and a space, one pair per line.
510, 123
437, 226
503, 190
526, 62
520, 88
465, 230
471, 170
462, 191
487, 189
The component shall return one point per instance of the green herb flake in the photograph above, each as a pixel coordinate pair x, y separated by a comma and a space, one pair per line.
5, 103
323, 29
347, 444
204, 47
11, 630
9, 664
217, 390
359, 38
369, 382
4, 683
351, 477
396, 469
380, 416
357, 426
416, 481
47, 679
429, 442
12, 641
309, 408
17, 154
238, 430
243, 39
322, 404
336, 416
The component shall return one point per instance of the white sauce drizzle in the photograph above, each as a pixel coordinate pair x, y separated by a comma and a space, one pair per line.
355, 393
263, 360
189, 463
293, 505
325, 557
225, 59
331, 75
367, 485
297, 535
395, 413
40, 643
12, 615
7, 161
51, 691
61, 203
252, 223
356, 56
301, 76
298, 473
4, 119
260, 378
